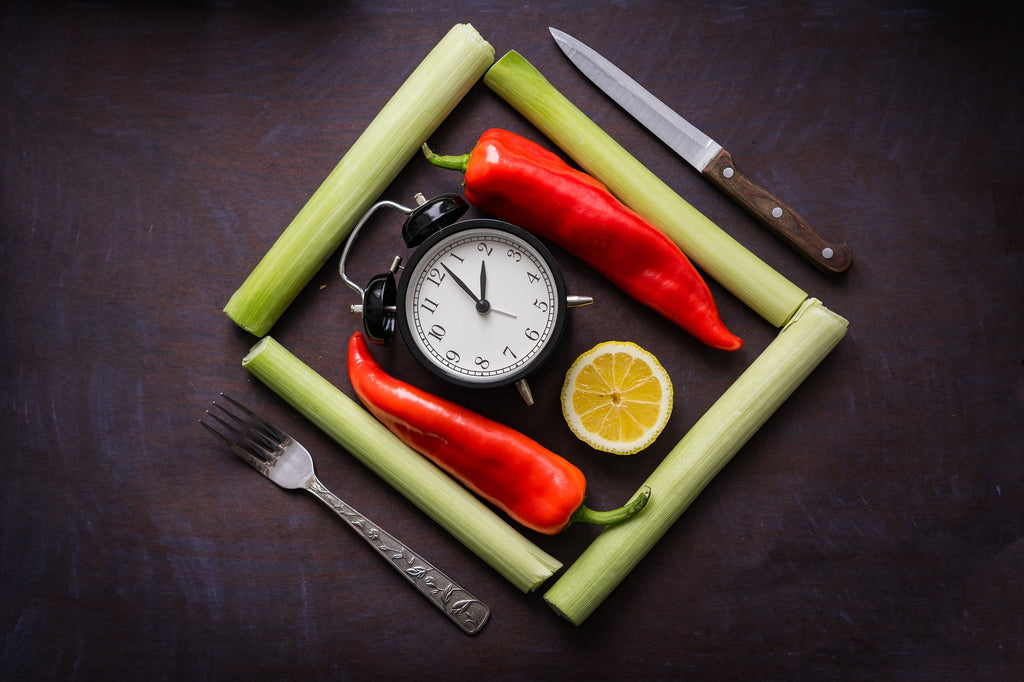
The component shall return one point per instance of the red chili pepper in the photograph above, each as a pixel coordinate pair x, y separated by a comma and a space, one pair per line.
533, 485
517, 180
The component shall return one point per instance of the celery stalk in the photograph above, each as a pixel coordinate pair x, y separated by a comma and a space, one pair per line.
737, 269
445, 500
425, 99
800, 346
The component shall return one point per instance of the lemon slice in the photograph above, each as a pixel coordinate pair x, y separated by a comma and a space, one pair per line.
617, 397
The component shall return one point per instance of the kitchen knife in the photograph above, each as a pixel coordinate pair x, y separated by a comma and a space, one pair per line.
706, 155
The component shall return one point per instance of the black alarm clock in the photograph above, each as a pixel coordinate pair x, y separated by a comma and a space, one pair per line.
481, 303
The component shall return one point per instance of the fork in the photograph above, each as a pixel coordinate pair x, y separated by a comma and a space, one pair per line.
287, 463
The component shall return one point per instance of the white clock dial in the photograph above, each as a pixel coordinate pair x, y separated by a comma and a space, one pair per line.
481, 303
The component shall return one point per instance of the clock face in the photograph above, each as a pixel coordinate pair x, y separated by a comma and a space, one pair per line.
481, 303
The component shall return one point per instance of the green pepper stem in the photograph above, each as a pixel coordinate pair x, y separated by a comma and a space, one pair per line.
606, 518
457, 163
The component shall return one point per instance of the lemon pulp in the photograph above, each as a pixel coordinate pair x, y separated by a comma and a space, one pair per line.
617, 397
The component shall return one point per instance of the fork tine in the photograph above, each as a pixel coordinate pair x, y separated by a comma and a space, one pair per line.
253, 440
254, 454
273, 434
244, 432
215, 432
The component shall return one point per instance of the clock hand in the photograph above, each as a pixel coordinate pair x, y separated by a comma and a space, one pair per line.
462, 284
483, 280
502, 312
482, 305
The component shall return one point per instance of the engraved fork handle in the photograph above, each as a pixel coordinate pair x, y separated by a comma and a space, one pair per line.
465, 610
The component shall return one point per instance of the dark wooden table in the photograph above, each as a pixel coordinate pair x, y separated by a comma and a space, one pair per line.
152, 152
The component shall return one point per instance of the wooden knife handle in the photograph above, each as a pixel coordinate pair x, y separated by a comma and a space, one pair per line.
778, 217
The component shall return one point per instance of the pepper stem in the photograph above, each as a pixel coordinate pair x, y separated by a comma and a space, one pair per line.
457, 163
606, 518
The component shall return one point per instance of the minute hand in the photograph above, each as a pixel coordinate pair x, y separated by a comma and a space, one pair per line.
704, 154
462, 285
483, 306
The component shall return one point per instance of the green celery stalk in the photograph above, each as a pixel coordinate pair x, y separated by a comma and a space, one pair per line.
799, 347
727, 261
445, 500
419, 106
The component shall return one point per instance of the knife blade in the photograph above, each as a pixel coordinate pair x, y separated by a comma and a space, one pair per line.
706, 155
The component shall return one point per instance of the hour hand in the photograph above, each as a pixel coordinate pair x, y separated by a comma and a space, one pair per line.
483, 306
463, 285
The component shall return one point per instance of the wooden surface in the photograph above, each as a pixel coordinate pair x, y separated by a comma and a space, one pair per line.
151, 153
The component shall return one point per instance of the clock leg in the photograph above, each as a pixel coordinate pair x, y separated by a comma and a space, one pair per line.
524, 391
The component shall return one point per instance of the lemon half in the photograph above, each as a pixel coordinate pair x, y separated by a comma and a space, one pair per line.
617, 397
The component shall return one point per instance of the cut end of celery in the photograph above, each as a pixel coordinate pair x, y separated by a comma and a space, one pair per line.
255, 350
560, 612
473, 38
257, 325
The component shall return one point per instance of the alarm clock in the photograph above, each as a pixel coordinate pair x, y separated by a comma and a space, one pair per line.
481, 303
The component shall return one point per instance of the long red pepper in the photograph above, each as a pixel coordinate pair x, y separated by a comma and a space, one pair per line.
533, 485
517, 180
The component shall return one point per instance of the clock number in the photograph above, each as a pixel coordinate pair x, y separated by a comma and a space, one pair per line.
484, 248
435, 276
437, 331
515, 255
534, 277
509, 352
429, 305
457, 257
453, 356
482, 363
532, 334
539, 305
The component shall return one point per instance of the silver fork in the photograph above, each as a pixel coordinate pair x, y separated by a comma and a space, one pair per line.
284, 461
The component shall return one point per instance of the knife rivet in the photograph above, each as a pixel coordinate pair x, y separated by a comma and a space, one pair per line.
728, 172
777, 213
827, 252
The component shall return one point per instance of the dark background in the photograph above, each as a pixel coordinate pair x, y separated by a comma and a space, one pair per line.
152, 152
